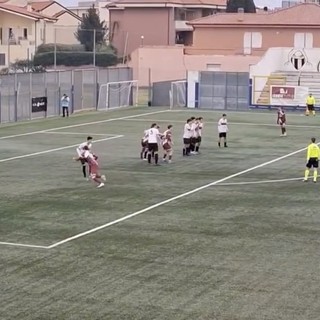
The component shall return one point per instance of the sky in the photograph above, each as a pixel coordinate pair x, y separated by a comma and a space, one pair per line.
259, 3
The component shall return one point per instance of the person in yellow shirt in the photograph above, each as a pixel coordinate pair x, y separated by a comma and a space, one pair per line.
311, 101
313, 155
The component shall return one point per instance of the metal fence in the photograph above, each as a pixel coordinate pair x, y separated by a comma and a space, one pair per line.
224, 90
82, 86
214, 90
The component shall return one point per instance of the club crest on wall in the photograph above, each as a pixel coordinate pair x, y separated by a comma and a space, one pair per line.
298, 59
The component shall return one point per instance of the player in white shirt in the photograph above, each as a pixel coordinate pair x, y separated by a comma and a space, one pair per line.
199, 133
154, 138
144, 145
193, 135
223, 129
80, 151
186, 137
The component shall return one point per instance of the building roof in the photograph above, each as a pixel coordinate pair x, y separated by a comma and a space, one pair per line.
39, 6
23, 12
304, 14
146, 3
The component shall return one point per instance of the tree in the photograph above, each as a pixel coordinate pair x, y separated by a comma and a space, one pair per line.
247, 5
91, 27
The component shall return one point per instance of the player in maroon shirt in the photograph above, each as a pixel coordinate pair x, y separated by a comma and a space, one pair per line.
281, 121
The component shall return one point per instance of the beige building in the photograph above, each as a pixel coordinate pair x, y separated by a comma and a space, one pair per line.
66, 22
26, 25
135, 23
21, 32
254, 34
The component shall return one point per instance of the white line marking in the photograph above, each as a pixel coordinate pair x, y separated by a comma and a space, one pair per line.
82, 124
263, 181
182, 195
254, 111
259, 182
54, 150
231, 123
23, 245
80, 133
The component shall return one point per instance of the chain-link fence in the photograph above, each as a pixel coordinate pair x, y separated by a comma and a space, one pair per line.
82, 87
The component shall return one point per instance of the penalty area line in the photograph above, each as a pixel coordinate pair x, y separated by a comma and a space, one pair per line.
13, 244
243, 183
177, 197
54, 150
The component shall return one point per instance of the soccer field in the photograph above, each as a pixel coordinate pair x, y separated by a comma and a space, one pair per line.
229, 234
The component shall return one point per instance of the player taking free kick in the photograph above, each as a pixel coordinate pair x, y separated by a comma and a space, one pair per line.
313, 155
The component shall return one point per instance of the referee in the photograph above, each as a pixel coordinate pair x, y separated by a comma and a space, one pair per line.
311, 101
313, 155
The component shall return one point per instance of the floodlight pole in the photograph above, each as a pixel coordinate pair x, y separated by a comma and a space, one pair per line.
94, 47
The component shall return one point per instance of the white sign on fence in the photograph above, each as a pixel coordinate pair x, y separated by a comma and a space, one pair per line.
288, 95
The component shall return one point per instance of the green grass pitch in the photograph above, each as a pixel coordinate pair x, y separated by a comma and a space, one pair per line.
242, 248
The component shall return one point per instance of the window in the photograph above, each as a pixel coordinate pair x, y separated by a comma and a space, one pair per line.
207, 12
2, 59
25, 33
303, 40
251, 40
11, 36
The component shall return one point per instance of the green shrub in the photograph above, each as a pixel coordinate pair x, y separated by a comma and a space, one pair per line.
75, 59
60, 47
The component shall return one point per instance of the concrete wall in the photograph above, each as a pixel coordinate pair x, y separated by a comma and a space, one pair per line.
155, 64
156, 25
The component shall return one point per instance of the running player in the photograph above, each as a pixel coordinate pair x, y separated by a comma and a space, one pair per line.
281, 121
92, 161
144, 145
167, 144
186, 138
80, 151
223, 129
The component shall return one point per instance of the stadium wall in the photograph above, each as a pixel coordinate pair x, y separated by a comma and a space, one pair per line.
82, 86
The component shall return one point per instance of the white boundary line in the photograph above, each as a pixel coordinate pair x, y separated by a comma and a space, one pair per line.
230, 123
54, 150
80, 133
182, 195
23, 245
243, 183
82, 124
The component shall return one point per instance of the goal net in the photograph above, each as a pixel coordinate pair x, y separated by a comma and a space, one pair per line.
178, 94
118, 94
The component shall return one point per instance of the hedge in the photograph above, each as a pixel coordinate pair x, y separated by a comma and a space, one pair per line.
49, 47
75, 59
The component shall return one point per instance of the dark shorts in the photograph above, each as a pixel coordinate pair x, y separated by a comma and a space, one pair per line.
144, 144
83, 161
313, 163
199, 139
310, 107
186, 140
193, 140
153, 147
222, 135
